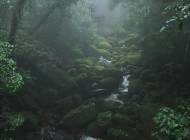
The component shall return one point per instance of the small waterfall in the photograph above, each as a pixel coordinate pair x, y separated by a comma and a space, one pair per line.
123, 89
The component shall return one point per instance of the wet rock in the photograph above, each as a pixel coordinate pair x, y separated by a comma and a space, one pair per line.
114, 98
98, 92
109, 83
94, 85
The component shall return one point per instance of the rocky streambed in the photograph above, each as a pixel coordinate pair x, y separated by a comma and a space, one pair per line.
94, 117
90, 119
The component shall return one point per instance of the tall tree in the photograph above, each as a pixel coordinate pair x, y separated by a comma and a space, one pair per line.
51, 9
16, 18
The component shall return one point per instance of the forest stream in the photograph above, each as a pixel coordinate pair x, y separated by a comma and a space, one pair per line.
53, 134
114, 97
94, 69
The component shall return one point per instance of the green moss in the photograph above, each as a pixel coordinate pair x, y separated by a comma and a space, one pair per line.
103, 52
104, 119
99, 67
173, 123
113, 132
104, 44
80, 116
120, 117
12, 121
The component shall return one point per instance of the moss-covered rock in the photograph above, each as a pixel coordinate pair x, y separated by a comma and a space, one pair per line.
104, 106
104, 119
120, 119
108, 82
80, 116
99, 127
116, 133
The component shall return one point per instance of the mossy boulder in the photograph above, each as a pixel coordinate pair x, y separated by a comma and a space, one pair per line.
80, 117
109, 83
99, 127
104, 106
104, 119
99, 92
120, 119
117, 133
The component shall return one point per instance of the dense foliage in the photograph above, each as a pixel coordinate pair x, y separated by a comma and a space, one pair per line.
173, 124
10, 80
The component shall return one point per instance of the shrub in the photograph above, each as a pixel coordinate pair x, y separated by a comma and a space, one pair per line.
10, 80
173, 124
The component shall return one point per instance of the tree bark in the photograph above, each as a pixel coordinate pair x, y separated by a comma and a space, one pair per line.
16, 18
44, 17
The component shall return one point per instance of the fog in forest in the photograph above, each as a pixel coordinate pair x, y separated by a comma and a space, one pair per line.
94, 70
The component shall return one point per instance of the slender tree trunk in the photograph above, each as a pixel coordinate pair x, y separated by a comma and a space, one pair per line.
16, 17
44, 17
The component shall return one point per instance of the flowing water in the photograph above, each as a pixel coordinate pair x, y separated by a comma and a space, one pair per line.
114, 97
123, 89
87, 138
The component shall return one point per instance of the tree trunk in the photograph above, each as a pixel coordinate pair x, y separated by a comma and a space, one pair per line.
44, 17
16, 17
